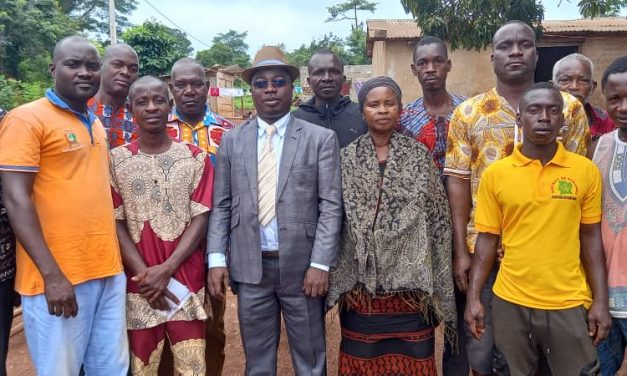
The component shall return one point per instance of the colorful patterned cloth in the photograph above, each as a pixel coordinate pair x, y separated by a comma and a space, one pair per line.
120, 127
157, 196
482, 130
206, 134
416, 123
600, 122
611, 158
385, 335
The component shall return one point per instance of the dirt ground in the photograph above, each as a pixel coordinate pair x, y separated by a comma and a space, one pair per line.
18, 363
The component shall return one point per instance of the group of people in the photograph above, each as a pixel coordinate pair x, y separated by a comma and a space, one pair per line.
480, 215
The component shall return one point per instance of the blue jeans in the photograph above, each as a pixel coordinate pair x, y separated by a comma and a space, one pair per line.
612, 350
96, 337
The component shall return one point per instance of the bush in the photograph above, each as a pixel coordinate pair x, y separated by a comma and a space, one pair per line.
14, 93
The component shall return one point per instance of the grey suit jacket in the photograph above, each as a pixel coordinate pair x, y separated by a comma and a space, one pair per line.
308, 207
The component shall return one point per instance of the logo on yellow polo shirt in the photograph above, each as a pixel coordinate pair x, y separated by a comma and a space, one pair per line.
564, 188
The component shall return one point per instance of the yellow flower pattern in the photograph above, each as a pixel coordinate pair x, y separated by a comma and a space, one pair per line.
481, 132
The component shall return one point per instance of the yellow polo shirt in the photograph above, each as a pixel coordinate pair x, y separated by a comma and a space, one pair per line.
537, 211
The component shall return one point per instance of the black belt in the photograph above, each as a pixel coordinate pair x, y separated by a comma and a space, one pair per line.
270, 254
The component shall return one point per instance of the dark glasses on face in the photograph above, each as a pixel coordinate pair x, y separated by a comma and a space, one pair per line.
263, 84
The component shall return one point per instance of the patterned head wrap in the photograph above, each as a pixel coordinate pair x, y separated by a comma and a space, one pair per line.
375, 83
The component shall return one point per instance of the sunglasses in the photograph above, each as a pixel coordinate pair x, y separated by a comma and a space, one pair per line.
263, 84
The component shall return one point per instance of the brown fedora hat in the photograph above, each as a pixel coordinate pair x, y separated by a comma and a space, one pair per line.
269, 57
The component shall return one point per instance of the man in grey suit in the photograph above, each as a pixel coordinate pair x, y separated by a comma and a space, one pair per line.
276, 220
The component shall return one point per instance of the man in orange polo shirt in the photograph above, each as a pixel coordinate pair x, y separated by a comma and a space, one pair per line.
543, 204
54, 168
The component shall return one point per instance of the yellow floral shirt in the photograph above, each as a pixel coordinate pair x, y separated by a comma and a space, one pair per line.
481, 131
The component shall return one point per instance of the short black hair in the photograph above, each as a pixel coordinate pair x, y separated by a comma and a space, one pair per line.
144, 80
425, 41
70, 40
325, 51
618, 66
516, 22
539, 86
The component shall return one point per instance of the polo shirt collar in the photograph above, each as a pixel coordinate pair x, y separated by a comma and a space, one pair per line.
560, 158
88, 118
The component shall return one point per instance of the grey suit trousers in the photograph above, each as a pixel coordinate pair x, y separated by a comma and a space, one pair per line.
259, 310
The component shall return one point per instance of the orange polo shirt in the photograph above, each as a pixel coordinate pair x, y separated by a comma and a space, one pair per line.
71, 192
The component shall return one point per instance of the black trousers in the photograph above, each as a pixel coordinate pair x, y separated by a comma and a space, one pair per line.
7, 297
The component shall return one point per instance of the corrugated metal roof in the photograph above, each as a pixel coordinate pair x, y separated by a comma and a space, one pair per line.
408, 29
597, 25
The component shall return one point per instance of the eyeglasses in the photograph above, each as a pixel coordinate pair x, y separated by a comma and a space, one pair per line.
263, 84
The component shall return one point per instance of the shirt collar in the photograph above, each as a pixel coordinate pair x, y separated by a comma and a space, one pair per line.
281, 125
208, 119
503, 103
560, 158
57, 101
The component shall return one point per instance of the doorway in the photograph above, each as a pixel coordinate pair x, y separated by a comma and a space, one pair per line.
547, 57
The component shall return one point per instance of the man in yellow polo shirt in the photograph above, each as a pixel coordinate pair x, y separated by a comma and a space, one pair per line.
55, 174
543, 204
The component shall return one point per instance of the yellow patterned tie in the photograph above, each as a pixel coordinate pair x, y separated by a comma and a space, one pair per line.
267, 179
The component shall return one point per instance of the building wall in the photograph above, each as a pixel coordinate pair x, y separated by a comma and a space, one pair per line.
602, 51
472, 71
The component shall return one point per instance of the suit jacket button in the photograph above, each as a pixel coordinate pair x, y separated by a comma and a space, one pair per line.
283, 228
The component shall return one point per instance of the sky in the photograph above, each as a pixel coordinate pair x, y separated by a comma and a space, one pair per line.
269, 22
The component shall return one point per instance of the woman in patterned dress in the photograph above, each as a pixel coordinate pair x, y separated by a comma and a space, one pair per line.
393, 280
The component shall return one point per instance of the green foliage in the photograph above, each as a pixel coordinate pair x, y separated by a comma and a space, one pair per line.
601, 8
300, 56
351, 50
340, 12
29, 30
157, 45
93, 15
356, 48
14, 93
227, 49
471, 23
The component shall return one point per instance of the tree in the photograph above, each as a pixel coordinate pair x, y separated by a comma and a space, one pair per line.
600, 8
471, 23
356, 45
157, 45
300, 56
93, 15
227, 49
340, 11
29, 30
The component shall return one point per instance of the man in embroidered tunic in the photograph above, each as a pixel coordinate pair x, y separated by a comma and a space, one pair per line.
162, 195
192, 121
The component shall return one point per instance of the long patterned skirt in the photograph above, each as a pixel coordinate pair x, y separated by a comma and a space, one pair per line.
385, 336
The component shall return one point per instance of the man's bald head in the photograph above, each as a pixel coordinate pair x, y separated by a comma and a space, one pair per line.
120, 68
509, 25
116, 50
189, 88
187, 64
67, 43
146, 82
